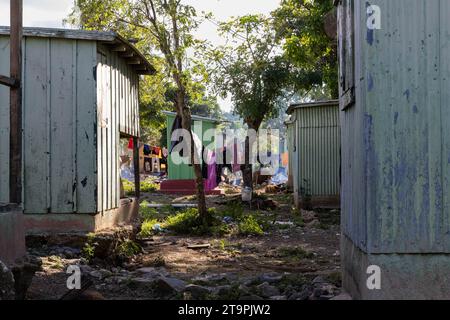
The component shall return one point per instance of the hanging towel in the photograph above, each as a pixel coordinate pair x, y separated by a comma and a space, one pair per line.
130, 144
147, 150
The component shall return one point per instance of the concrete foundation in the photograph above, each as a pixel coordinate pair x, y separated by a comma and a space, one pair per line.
127, 213
403, 276
12, 238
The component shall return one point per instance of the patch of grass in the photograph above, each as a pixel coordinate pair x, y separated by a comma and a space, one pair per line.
128, 187
149, 186
183, 222
227, 246
250, 226
294, 253
147, 213
128, 248
159, 261
147, 228
188, 222
56, 262
293, 280
88, 251
234, 210
298, 221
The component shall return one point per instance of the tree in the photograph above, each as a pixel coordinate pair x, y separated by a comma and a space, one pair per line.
307, 32
166, 27
255, 72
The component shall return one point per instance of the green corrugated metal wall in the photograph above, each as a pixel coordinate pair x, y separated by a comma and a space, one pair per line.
315, 149
183, 171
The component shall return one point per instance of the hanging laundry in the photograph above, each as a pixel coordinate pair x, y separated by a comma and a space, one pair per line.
177, 138
147, 150
211, 181
130, 144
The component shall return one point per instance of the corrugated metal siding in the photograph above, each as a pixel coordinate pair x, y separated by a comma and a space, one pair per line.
59, 117
318, 148
118, 112
353, 185
401, 114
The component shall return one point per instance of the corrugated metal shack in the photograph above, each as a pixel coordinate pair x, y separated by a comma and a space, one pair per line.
395, 115
314, 153
181, 177
80, 96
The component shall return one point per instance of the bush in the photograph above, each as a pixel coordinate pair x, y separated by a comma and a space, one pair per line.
188, 222
233, 210
184, 222
149, 186
128, 248
249, 226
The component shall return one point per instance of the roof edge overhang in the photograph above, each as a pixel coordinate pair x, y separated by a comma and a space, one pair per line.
194, 117
315, 104
119, 44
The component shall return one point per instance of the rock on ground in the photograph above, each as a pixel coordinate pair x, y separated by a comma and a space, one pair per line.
6, 283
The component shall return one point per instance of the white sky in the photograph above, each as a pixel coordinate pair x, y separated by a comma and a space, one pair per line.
50, 13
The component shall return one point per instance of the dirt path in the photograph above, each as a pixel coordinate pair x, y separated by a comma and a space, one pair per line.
292, 253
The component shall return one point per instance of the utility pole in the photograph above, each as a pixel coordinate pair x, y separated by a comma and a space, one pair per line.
14, 81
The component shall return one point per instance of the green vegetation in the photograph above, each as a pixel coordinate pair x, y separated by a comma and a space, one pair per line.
294, 253
148, 228
128, 248
148, 186
128, 187
250, 226
88, 251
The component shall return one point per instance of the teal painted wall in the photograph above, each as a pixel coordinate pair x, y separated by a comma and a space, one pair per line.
184, 171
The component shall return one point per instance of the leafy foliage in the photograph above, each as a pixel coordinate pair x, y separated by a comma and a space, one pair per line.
300, 27
250, 226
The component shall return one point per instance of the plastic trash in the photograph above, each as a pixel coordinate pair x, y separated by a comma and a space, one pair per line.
247, 194
279, 178
227, 220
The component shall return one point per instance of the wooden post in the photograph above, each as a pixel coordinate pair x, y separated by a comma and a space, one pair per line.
137, 171
16, 102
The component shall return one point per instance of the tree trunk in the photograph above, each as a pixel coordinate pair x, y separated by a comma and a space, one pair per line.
186, 121
247, 168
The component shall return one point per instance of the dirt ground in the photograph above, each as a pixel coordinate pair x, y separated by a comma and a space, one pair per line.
292, 248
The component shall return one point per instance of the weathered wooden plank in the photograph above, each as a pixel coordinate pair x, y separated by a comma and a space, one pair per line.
103, 145
15, 156
86, 168
99, 133
8, 81
115, 133
62, 102
109, 131
36, 137
64, 34
4, 123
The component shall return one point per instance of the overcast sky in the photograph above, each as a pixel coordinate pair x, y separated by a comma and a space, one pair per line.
50, 13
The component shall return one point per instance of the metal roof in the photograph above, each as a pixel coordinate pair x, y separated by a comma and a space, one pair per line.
325, 103
194, 117
110, 38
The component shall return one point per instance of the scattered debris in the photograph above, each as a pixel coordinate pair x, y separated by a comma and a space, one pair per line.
199, 246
